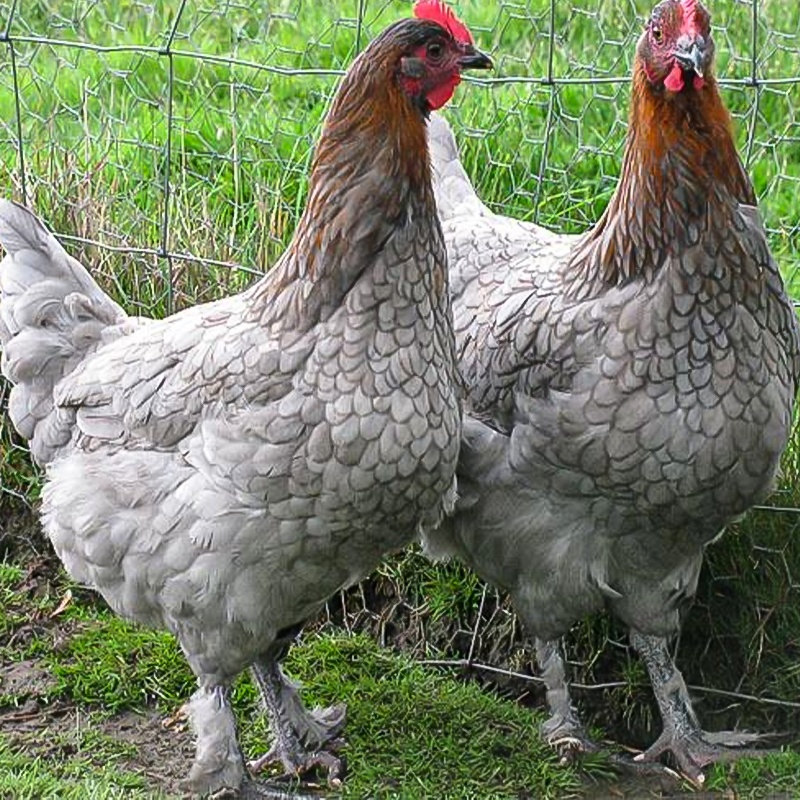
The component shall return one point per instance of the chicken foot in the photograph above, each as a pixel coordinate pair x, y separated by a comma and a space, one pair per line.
691, 746
218, 762
564, 730
300, 735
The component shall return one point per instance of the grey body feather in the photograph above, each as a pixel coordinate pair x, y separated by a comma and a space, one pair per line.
216, 476
623, 426
223, 472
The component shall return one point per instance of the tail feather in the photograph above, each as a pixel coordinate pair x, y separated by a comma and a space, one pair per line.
451, 185
52, 315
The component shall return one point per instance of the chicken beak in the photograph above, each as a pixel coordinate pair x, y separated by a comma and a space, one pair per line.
691, 58
472, 58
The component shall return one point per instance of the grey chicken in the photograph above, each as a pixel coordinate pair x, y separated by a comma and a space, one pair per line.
221, 473
630, 390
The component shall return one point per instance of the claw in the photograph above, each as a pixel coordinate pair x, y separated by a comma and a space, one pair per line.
570, 745
698, 750
691, 748
262, 762
643, 768
567, 737
269, 791
296, 764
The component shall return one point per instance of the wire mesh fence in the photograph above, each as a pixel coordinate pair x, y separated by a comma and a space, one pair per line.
178, 131
167, 143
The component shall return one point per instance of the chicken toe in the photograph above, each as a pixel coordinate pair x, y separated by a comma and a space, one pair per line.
694, 750
303, 739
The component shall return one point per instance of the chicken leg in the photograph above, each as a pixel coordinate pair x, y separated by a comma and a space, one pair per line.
218, 762
564, 730
691, 746
300, 735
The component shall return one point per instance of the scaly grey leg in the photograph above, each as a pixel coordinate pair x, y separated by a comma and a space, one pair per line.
691, 746
564, 730
300, 736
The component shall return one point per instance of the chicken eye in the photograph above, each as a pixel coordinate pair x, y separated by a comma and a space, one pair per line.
658, 36
435, 51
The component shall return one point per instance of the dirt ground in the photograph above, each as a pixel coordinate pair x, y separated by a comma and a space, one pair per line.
160, 748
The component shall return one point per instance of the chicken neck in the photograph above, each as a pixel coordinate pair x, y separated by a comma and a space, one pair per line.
370, 181
681, 177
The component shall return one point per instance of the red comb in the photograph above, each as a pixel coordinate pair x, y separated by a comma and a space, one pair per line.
438, 11
690, 22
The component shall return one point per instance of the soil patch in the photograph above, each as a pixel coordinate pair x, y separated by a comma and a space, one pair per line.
160, 752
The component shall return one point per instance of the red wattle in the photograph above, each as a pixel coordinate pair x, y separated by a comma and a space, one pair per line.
674, 81
443, 92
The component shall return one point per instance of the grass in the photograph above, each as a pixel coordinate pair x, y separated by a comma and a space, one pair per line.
412, 732
75, 778
775, 775
95, 126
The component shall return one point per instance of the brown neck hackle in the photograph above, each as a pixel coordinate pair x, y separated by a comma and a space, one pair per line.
370, 175
680, 167
691, 122
372, 118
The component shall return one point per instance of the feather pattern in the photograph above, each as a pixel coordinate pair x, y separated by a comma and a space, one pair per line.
222, 472
642, 376
630, 391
